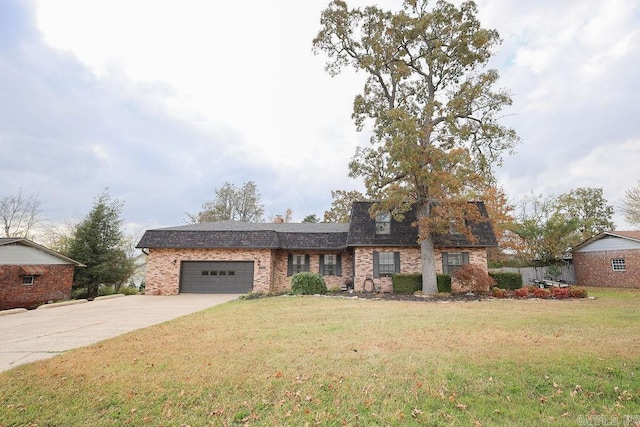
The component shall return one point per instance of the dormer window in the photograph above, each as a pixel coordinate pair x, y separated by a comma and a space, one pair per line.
383, 223
453, 228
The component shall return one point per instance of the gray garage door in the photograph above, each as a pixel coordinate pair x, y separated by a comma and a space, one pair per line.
216, 277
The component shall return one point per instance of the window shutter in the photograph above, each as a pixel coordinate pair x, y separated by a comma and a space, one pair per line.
306, 263
396, 262
322, 265
338, 265
445, 263
289, 265
465, 257
376, 267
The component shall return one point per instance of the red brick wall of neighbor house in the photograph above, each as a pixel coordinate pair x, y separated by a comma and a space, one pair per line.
53, 285
163, 276
594, 269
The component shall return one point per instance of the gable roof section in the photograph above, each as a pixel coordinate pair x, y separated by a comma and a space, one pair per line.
4, 241
632, 237
243, 235
362, 230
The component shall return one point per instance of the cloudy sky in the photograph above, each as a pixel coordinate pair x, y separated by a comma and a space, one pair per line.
164, 101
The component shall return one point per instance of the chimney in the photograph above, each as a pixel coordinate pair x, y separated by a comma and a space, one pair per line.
278, 219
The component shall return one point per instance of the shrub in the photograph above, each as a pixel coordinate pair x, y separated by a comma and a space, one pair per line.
541, 293
444, 283
128, 290
406, 283
104, 290
497, 292
411, 283
577, 292
521, 293
506, 280
79, 293
473, 278
560, 293
306, 283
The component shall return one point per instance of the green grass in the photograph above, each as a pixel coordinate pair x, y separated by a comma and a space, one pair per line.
332, 361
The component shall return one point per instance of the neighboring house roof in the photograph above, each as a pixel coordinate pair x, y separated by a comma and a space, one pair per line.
5, 241
296, 236
610, 240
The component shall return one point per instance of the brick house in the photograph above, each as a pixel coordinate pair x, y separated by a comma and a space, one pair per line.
237, 257
31, 274
609, 259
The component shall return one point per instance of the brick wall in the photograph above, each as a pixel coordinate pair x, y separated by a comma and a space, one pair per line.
53, 285
410, 263
594, 269
163, 275
270, 270
283, 282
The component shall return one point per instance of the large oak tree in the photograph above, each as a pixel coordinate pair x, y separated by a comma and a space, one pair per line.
431, 105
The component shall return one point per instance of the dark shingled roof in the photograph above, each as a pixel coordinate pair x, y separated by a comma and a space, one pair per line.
362, 231
321, 236
236, 234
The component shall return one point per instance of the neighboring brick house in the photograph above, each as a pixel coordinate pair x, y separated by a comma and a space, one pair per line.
610, 259
31, 274
237, 257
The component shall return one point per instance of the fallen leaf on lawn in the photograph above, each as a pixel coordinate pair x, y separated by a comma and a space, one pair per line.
461, 406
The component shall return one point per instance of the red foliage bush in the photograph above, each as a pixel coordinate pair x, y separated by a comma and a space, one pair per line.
521, 293
577, 292
499, 293
473, 278
541, 293
560, 293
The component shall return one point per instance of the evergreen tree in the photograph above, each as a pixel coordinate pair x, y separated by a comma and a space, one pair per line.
100, 244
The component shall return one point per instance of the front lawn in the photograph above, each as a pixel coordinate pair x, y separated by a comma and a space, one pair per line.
337, 361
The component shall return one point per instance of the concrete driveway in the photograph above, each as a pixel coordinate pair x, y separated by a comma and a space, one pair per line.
48, 331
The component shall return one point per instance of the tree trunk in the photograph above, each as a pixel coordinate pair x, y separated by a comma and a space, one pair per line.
427, 255
427, 252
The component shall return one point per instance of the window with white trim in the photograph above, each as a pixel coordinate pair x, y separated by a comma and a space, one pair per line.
297, 264
385, 264
451, 261
329, 265
28, 280
383, 223
617, 264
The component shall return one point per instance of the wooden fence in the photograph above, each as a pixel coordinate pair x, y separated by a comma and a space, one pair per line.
566, 273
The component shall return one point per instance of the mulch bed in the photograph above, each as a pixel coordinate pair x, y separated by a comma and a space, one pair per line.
388, 296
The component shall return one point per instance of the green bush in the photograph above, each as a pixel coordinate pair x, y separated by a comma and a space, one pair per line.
105, 290
410, 283
306, 283
79, 293
406, 283
507, 280
127, 290
444, 283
